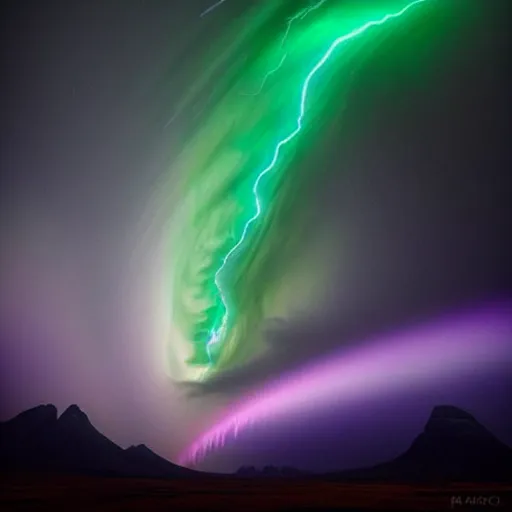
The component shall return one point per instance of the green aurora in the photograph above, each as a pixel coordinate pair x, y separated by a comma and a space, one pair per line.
233, 263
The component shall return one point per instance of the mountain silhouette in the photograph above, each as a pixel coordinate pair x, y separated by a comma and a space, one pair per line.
38, 440
453, 446
152, 464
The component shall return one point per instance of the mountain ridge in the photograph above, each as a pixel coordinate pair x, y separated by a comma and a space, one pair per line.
40, 440
453, 446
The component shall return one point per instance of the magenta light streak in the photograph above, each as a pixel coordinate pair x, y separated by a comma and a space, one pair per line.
448, 348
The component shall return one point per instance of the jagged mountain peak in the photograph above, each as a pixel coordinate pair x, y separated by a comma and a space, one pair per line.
75, 414
141, 450
450, 412
449, 421
138, 448
30, 423
43, 412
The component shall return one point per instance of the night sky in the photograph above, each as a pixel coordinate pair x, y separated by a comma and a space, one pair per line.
410, 206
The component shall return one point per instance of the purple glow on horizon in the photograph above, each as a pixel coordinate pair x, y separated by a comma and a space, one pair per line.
449, 348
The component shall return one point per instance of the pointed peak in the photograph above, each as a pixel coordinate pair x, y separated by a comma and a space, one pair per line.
138, 448
74, 413
450, 412
448, 420
48, 409
43, 411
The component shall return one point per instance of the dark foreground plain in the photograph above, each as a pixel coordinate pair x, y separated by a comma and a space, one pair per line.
54, 492
51, 462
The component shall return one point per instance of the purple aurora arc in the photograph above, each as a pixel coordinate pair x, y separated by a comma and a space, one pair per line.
448, 348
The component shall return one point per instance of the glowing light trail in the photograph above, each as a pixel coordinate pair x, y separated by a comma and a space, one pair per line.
215, 335
299, 16
211, 8
268, 75
456, 346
